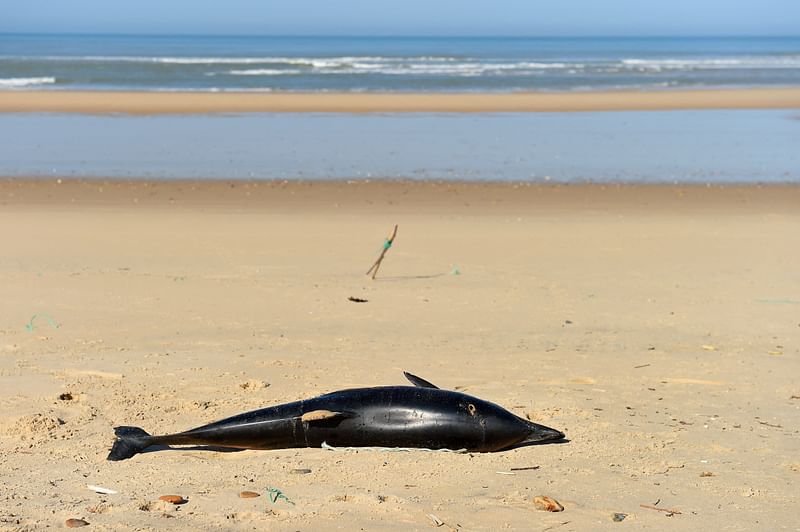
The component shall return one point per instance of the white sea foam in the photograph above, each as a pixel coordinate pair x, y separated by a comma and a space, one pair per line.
377, 62
215, 89
400, 65
263, 72
746, 62
550, 65
344, 66
25, 82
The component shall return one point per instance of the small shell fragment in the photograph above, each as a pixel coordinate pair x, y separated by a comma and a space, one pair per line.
76, 523
173, 499
101, 489
435, 520
547, 504
249, 494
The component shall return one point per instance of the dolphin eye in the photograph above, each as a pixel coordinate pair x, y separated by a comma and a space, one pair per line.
471, 409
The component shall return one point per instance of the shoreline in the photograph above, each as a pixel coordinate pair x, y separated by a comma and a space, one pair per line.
398, 196
153, 103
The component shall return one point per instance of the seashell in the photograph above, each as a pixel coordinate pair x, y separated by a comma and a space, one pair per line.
547, 504
173, 499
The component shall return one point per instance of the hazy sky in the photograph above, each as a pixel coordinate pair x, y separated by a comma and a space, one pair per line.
405, 17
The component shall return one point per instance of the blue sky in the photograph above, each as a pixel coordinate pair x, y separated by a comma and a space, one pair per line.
406, 17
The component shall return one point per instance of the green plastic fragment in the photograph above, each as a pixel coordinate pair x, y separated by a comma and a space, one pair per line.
276, 494
31, 325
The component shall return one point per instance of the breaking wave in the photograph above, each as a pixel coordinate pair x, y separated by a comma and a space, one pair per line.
25, 82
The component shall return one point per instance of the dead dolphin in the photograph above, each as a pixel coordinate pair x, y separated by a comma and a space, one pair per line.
421, 416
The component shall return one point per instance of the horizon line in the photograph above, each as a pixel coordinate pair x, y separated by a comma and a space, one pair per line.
395, 36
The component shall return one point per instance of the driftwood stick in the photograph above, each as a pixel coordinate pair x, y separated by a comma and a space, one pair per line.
386, 245
665, 510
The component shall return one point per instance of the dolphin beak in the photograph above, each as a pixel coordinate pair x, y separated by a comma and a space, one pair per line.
542, 434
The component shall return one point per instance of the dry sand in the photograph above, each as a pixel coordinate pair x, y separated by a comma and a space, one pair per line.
659, 327
199, 102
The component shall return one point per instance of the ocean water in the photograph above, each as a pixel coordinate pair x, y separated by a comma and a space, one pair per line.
394, 64
739, 146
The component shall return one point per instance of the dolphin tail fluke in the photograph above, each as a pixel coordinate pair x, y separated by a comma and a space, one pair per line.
130, 441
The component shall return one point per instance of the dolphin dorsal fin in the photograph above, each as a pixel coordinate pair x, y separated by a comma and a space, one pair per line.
417, 381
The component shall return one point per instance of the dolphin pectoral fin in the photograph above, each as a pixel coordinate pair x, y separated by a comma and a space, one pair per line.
418, 381
323, 415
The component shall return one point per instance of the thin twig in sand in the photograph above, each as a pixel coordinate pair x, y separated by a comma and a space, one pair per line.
386, 245
670, 512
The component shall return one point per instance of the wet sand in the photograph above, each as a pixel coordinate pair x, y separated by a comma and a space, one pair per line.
656, 325
98, 102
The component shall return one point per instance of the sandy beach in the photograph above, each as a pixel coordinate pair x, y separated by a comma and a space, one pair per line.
99, 102
657, 326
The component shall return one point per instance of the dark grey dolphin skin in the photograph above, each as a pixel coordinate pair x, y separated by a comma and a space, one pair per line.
421, 416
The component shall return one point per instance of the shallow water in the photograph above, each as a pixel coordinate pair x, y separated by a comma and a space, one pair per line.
661, 146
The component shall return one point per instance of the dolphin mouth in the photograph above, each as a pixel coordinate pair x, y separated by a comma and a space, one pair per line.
542, 434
